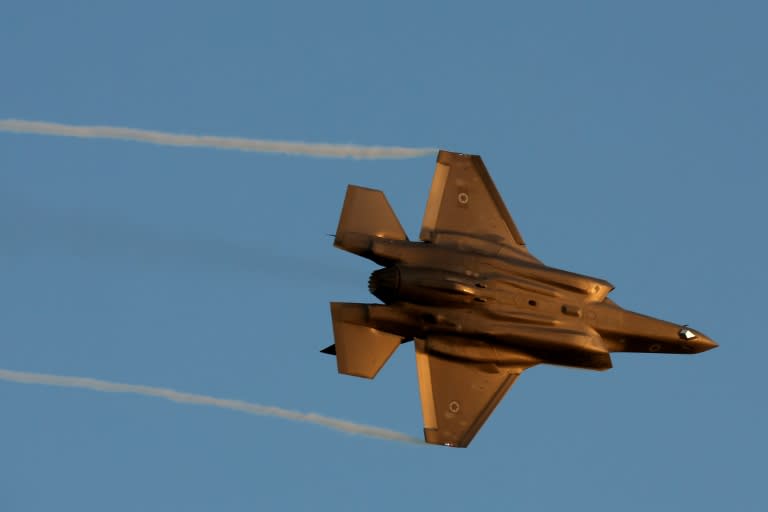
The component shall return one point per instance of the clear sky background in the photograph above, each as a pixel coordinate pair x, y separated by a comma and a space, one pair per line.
628, 139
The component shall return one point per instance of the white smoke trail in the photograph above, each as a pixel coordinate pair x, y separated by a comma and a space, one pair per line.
209, 141
189, 398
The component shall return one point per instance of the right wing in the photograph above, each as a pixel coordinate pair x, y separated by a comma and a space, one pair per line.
458, 396
464, 207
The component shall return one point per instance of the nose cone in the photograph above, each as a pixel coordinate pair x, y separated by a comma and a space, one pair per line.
702, 344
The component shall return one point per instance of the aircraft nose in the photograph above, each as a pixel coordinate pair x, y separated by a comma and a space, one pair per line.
695, 341
704, 344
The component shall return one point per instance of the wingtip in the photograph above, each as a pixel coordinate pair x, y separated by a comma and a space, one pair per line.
434, 436
446, 157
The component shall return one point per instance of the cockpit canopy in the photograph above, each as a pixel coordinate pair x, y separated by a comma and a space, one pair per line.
686, 334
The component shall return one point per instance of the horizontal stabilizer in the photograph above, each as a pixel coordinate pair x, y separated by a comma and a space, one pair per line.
366, 215
360, 350
330, 350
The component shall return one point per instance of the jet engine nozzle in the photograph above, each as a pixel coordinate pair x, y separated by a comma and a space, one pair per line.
384, 284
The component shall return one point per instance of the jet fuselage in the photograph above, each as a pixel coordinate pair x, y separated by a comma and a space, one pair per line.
551, 315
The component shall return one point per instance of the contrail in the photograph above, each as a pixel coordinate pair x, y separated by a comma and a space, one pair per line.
189, 398
210, 141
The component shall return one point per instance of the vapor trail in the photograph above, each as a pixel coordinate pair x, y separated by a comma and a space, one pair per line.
210, 141
189, 398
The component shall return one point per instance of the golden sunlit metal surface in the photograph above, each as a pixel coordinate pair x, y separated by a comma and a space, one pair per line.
479, 306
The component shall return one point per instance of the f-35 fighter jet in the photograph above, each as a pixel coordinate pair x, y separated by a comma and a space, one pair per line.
478, 305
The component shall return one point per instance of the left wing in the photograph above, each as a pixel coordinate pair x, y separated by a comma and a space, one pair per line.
464, 208
458, 396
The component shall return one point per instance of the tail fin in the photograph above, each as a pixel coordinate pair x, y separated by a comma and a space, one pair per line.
366, 214
360, 350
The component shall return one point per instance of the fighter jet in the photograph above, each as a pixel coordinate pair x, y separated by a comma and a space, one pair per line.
478, 305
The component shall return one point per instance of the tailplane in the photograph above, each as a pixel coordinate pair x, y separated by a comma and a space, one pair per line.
360, 350
366, 215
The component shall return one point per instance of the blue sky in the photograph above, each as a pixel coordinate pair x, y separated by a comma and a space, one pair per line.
629, 141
